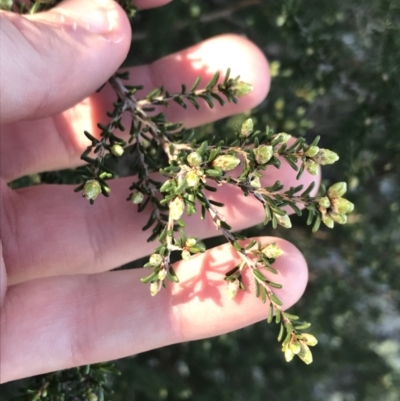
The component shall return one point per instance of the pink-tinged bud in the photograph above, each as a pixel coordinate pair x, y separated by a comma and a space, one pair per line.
263, 154
311, 166
338, 218
190, 242
226, 162
155, 259
312, 151
326, 156
284, 221
137, 197
194, 159
117, 150
192, 179
337, 190
155, 287
272, 251
324, 202
162, 274
242, 89
256, 182
92, 189
282, 136
342, 205
289, 355
305, 354
328, 221
176, 208
185, 255
295, 347
232, 289
309, 339
247, 128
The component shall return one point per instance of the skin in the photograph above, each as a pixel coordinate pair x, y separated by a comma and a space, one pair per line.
61, 306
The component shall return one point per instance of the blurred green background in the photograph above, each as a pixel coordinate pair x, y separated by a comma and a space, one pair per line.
336, 73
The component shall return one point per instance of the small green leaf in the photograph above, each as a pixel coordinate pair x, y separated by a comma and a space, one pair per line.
275, 299
196, 84
213, 81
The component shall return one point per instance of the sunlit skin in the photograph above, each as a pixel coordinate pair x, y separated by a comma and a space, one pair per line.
60, 304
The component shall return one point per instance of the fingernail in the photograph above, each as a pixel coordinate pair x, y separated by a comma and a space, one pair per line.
96, 16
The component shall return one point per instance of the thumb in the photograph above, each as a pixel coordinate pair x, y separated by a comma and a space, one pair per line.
52, 60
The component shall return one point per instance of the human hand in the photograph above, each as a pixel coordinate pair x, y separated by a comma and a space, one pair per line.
61, 306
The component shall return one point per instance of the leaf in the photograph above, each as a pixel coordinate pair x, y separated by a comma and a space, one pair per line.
218, 98
281, 332
196, 84
153, 276
317, 223
213, 81
179, 101
274, 285
259, 275
275, 299
290, 316
271, 313
306, 193
172, 275
232, 271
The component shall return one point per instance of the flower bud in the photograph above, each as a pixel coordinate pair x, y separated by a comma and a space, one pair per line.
137, 197
312, 151
92, 396
92, 189
309, 339
339, 218
342, 205
311, 166
324, 202
247, 128
263, 154
155, 259
328, 221
337, 190
162, 274
155, 287
282, 136
242, 89
117, 150
192, 179
191, 242
185, 255
295, 347
289, 355
284, 221
233, 288
255, 182
226, 162
176, 208
305, 354
272, 251
194, 159
326, 156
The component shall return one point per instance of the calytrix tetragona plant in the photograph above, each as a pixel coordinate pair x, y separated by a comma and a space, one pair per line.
192, 167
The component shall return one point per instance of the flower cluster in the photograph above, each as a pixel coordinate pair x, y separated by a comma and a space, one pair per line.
333, 207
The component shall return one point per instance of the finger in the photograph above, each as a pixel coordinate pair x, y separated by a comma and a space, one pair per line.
58, 142
142, 4
73, 237
111, 315
52, 60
